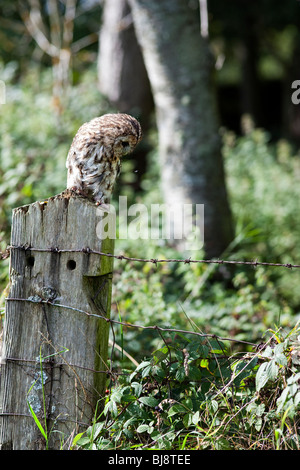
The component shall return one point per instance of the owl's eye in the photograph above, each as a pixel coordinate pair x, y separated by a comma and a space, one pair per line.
125, 147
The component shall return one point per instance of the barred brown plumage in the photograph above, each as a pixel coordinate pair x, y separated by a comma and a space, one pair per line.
94, 159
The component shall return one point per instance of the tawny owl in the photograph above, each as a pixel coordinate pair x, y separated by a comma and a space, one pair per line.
94, 159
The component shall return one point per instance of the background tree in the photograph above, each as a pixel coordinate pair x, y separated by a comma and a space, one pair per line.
51, 25
180, 66
259, 42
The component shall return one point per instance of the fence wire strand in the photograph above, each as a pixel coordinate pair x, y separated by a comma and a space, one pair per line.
130, 325
159, 329
253, 263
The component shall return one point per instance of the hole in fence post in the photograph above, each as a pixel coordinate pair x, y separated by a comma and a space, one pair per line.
71, 264
30, 261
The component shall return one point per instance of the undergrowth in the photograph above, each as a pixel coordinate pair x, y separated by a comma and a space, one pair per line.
195, 393
187, 391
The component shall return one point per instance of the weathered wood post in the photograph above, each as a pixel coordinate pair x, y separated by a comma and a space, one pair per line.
54, 358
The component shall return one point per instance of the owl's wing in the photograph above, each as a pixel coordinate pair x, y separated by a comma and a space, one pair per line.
71, 157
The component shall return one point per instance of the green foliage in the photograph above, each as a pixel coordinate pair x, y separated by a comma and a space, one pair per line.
35, 141
195, 391
263, 181
193, 394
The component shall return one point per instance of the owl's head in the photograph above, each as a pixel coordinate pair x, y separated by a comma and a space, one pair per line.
123, 131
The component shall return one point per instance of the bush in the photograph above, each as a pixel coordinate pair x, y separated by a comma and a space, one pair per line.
187, 392
192, 394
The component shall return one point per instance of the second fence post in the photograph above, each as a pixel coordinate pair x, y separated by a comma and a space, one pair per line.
54, 355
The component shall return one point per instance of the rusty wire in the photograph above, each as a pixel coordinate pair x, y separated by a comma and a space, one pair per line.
129, 325
6, 254
253, 263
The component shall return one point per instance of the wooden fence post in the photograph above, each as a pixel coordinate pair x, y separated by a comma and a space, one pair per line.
54, 358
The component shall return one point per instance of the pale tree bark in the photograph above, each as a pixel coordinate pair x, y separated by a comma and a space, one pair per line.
179, 67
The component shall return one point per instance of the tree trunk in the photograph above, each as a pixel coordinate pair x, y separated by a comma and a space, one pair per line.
179, 67
121, 70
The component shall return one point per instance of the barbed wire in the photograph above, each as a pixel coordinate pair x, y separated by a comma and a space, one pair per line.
253, 263
129, 325
159, 329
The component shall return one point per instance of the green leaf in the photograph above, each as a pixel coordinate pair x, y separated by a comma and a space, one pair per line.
37, 422
187, 420
83, 441
77, 439
180, 374
260, 409
142, 428
128, 398
116, 396
204, 363
297, 399
258, 424
213, 406
112, 408
27, 190
268, 352
222, 444
188, 403
267, 371
261, 376
146, 371
272, 370
194, 373
160, 354
149, 401
282, 399
137, 388
175, 409
195, 417
143, 364
241, 371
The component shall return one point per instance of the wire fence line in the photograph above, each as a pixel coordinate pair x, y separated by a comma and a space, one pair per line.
110, 370
130, 325
253, 263
159, 329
